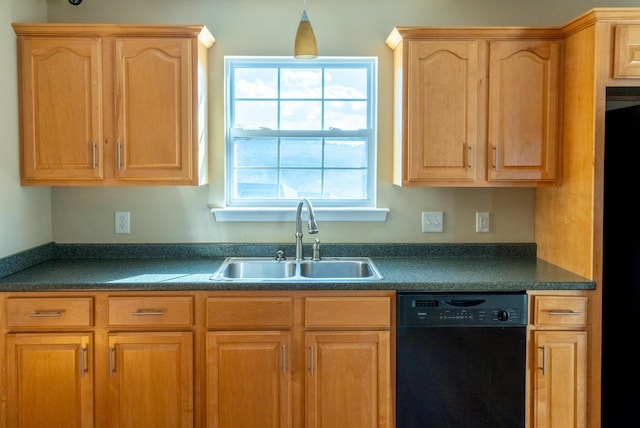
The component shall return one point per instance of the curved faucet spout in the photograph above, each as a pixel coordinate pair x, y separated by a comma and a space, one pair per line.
312, 226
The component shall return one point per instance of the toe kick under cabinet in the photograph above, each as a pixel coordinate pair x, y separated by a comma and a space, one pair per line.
197, 359
106, 104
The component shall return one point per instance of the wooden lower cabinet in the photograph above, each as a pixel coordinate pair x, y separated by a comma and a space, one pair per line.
90, 360
223, 359
318, 361
558, 356
50, 380
150, 380
560, 379
248, 379
347, 381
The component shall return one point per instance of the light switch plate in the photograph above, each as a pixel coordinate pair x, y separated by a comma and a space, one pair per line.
432, 221
482, 222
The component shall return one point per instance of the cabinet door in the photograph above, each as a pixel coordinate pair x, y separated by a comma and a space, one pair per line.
50, 380
443, 92
560, 379
249, 379
151, 380
154, 98
627, 52
61, 109
348, 380
523, 110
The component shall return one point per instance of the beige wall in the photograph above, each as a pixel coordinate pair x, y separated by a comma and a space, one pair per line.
266, 27
25, 213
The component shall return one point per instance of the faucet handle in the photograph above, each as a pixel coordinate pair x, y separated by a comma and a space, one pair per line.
316, 250
280, 255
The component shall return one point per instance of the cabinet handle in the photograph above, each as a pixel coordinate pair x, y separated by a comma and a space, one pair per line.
563, 312
495, 157
471, 160
46, 314
284, 360
112, 361
544, 360
149, 312
119, 156
312, 360
95, 155
83, 361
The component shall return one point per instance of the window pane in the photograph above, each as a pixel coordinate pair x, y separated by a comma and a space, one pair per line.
256, 152
349, 83
256, 184
256, 114
300, 83
302, 183
345, 153
256, 83
297, 115
298, 152
346, 115
345, 184
300, 129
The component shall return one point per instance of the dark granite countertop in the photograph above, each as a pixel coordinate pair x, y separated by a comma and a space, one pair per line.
411, 267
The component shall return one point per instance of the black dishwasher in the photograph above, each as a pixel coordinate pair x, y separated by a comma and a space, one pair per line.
461, 360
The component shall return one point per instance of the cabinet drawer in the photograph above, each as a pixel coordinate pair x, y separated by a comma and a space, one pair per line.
176, 311
626, 62
560, 311
348, 312
50, 312
249, 312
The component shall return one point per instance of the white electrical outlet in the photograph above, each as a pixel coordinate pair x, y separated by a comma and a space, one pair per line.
432, 221
122, 222
482, 222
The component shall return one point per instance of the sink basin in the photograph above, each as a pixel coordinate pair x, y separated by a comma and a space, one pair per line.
258, 269
337, 269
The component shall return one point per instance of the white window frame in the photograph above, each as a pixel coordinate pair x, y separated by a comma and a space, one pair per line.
279, 209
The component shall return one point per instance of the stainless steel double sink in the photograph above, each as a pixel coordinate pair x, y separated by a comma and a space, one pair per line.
255, 269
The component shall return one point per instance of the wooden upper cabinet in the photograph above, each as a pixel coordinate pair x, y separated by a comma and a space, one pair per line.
443, 85
61, 108
109, 104
475, 107
152, 89
524, 100
626, 55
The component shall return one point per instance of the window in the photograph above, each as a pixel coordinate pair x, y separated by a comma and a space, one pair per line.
300, 129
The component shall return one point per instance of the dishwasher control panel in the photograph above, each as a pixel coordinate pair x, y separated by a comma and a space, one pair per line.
424, 309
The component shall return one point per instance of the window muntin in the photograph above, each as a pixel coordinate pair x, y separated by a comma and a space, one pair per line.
300, 129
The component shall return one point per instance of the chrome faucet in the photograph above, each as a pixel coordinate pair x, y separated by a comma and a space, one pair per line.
312, 228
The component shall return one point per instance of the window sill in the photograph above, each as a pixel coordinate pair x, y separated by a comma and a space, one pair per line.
289, 214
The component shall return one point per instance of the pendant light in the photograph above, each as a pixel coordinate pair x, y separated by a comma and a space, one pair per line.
305, 45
